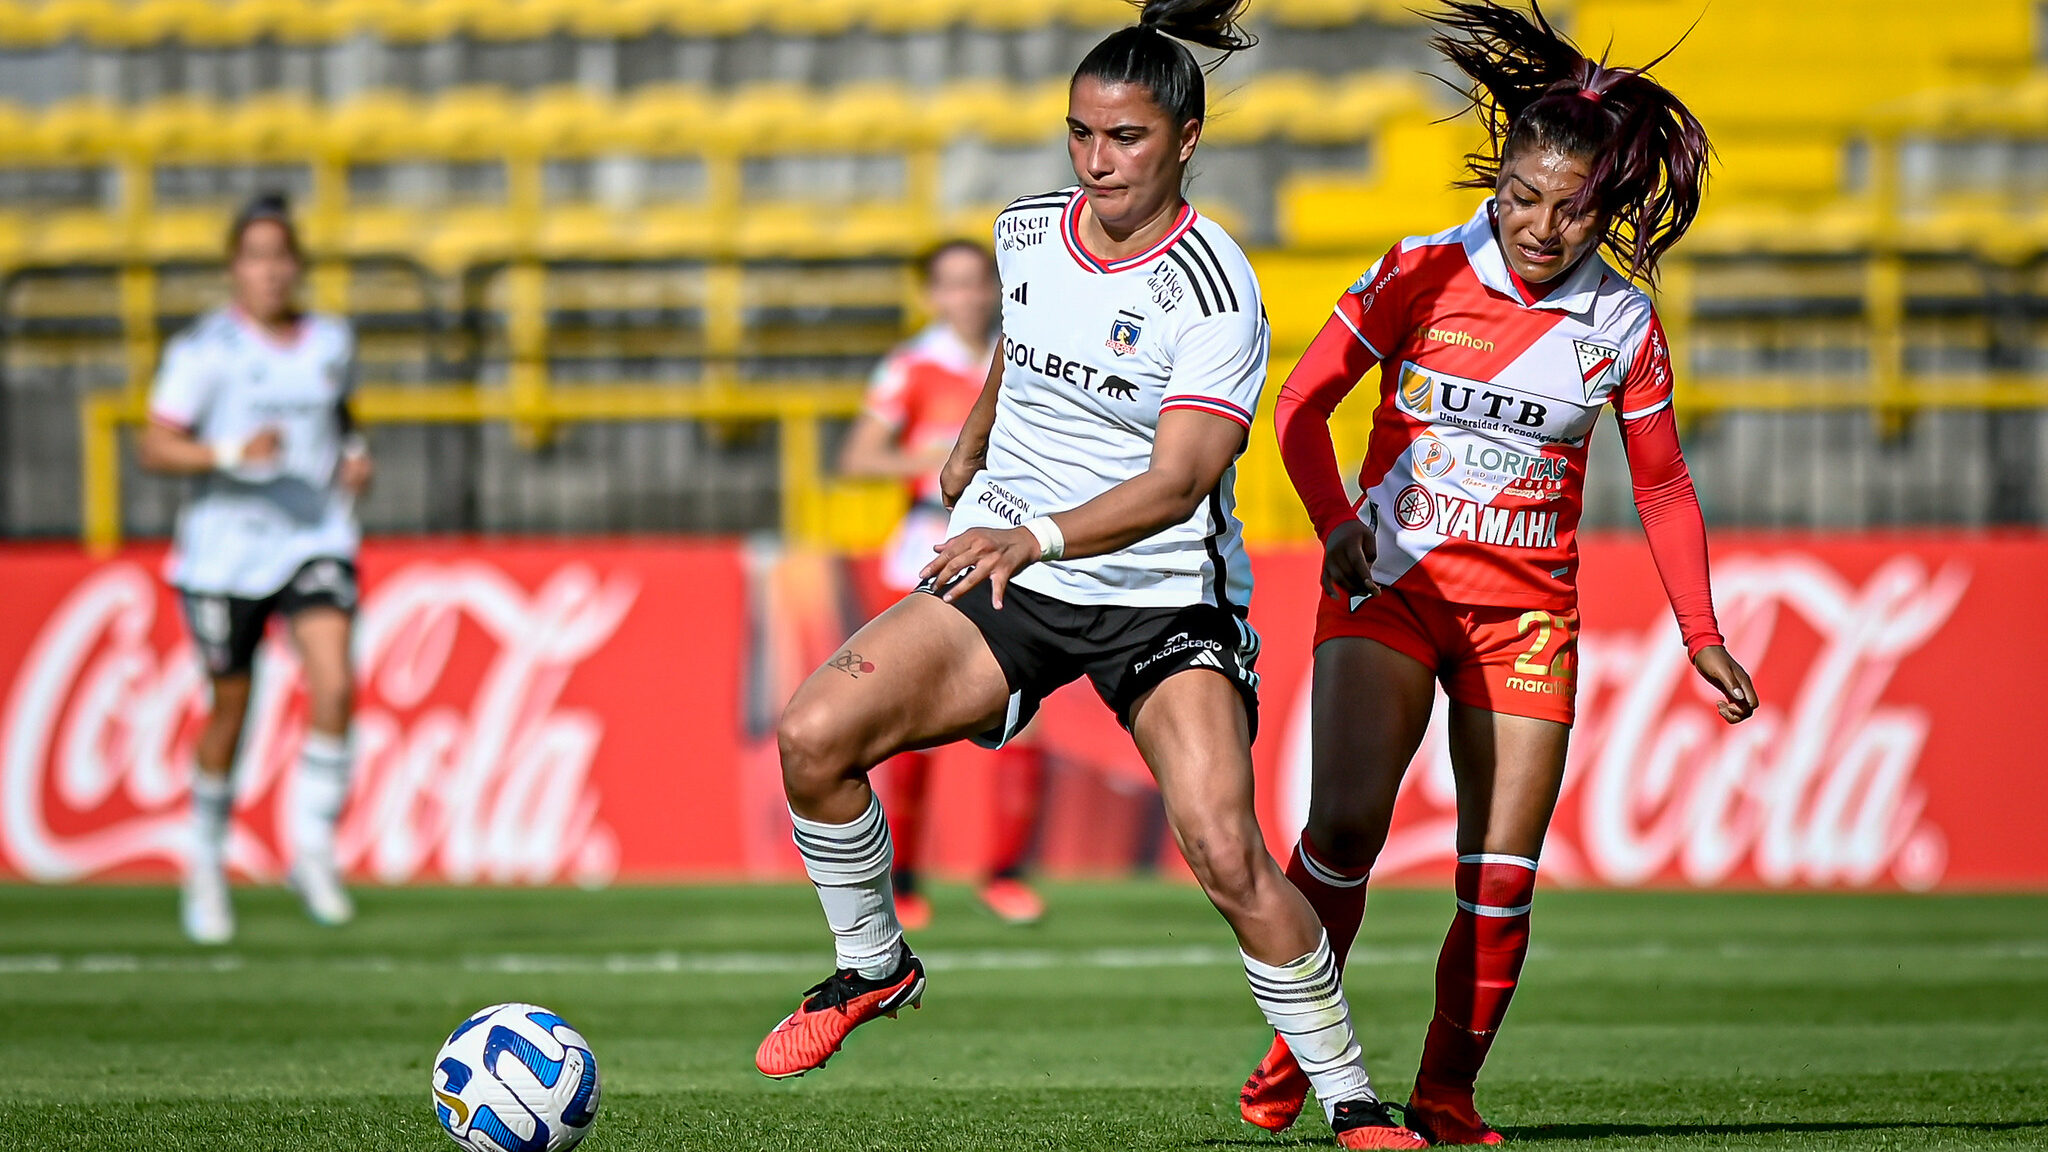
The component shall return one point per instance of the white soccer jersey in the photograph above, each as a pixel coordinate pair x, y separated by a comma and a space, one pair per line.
1093, 352
247, 530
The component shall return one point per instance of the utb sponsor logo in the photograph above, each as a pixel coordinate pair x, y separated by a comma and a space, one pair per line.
1416, 390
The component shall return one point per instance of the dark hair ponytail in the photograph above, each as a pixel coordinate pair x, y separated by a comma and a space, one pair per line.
1533, 88
272, 206
1150, 52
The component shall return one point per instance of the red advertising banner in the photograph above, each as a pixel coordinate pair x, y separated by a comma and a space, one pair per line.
600, 710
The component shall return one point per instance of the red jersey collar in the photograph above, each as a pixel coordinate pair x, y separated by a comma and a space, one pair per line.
1070, 232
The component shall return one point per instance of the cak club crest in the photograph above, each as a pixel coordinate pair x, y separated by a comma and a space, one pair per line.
1595, 362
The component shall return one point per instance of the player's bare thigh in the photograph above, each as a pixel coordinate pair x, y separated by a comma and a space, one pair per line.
919, 674
321, 635
1509, 771
1370, 709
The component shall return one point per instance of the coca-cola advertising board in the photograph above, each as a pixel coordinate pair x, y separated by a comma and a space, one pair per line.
601, 710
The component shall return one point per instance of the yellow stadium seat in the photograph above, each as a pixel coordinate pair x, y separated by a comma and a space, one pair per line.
23, 24
463, 237
662, 120
866, 118
622, 19
99, 21
474, 123
76, 237
198, 22
568, 122
81, 130
901, 16
762, 118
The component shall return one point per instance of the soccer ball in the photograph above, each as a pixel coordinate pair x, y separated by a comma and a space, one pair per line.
515, 1078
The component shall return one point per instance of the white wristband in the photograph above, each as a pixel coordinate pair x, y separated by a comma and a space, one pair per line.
354, 444
1051, 543
227, 452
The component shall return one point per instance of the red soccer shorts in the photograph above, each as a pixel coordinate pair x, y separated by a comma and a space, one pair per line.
1516, 661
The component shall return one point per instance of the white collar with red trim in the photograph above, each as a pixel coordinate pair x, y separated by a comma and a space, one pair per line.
1482, 249
1070, 233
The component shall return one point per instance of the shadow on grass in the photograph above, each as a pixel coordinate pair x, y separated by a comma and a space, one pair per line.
1601, 1131
1606, 1131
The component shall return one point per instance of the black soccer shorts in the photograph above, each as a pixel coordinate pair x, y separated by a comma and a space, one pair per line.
1042, 644
228, 629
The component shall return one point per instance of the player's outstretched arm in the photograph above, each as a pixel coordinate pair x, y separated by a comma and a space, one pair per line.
1189, 455
1670, 510
1326, 373
176, 452
970, 451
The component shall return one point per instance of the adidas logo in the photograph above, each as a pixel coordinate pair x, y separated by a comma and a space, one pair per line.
1019, 294
1206, 659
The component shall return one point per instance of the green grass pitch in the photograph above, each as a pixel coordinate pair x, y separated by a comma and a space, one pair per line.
1645, 1020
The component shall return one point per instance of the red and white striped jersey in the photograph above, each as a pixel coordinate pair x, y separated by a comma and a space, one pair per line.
1474, 476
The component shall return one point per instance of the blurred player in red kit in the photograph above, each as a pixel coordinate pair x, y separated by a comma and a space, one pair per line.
1499, 341
919, 398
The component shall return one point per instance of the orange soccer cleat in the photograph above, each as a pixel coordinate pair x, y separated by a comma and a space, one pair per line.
1012, 900
913, 911
809, 1036
1370, 1123
1274, 1093
1449, 1121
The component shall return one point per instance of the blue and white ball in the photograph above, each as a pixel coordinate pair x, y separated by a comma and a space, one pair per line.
515, 1078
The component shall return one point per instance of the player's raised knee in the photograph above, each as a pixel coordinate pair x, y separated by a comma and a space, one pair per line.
817, 745
1226, 862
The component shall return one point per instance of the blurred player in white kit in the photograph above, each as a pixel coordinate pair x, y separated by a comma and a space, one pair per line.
252, 400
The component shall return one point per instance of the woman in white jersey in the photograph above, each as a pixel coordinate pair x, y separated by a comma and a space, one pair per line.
1094, 535
252, 400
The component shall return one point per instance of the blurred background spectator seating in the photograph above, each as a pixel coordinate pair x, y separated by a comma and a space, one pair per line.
624, 267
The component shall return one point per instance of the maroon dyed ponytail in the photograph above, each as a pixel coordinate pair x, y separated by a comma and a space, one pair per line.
1646, 153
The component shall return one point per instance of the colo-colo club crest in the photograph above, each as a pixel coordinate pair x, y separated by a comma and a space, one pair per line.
1123, 333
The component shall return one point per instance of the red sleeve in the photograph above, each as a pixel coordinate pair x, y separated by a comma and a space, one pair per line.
1670, 510
1325, 374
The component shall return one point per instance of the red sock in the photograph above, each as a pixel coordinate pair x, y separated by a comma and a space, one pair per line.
1020, 774
904, 786
1477, 970
1337, 895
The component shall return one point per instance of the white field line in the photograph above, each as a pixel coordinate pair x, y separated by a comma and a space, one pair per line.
743, 963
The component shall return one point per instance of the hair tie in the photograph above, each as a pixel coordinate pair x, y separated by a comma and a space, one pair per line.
1590, 94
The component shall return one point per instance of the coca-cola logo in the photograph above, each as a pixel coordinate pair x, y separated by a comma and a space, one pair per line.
1818, 788
478, 776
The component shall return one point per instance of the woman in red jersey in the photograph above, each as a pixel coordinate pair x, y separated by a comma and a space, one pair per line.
1499, 341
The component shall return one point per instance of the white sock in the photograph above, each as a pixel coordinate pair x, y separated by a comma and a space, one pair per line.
213, 800
317, 796
850, 865
1304, 1002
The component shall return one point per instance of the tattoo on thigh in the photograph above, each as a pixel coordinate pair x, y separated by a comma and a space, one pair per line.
849, 662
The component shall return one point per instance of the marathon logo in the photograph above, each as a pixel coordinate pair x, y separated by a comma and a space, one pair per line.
1460, 339
1460, 519
1050, 365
